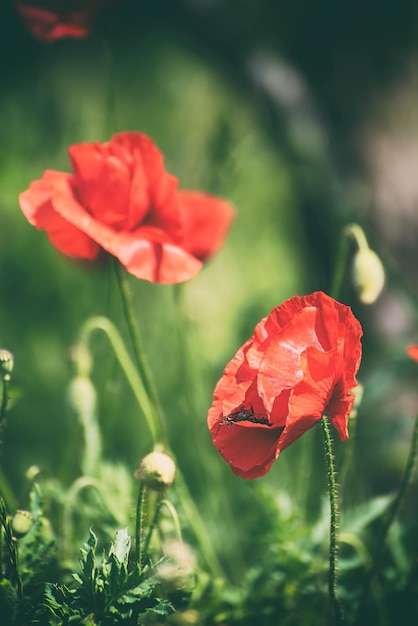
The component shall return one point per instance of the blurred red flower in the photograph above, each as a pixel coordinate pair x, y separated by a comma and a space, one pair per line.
412, 352
57, 19
300, 363
119, 198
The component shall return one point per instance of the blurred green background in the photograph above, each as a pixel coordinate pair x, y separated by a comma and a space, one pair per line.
303, 116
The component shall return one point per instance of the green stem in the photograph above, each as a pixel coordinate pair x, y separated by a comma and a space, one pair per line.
153, 524
186, 500
351, 231
139, 525
105, 325
4, 399
334, 514
137, 346
396, 505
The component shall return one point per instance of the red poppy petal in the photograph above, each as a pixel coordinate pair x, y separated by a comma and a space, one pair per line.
206, 222
37, 207
338, 411
412, 352
249, 450
48, 26
280, 367
151, 260
293, 431
156, 262
148, 165
102, 184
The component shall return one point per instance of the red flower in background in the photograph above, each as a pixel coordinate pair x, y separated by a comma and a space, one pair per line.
57, 19
300, 363
412, 352
119, 198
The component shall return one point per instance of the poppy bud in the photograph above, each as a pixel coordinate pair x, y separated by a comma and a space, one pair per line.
157, 471
82, 396
6, 363
368, 275
21, 523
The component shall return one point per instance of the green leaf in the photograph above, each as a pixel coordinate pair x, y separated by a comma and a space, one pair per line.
357, 519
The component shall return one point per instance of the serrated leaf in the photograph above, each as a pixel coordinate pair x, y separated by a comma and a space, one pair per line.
121, 546
163, 608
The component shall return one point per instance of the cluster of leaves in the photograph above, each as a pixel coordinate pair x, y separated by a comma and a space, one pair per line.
106, 591
289, 583
106, 594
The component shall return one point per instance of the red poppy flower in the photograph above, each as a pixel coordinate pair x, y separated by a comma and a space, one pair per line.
120, 199
412, 352
300, 363
57, 19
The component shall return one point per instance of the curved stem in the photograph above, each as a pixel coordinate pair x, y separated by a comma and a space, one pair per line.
105, 325
334, 514
190, 509
138, 349
351, 231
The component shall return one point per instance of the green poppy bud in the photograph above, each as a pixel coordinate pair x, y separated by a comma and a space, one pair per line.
157, 471
368, 275
21, 523
6, 363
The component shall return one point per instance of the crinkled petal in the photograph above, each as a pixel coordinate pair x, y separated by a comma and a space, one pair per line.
36, 204
102, 184
142, 256
280, 367
206, 221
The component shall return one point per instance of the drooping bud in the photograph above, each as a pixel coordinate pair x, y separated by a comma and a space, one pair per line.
157, 471
82, 396
368, 275
358, 395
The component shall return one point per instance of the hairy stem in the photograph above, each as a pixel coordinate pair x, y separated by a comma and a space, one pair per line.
336, 616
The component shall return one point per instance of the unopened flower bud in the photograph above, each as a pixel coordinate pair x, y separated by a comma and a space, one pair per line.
368, 275
21, 523
6, 363
358, 395
157, 471
81, 396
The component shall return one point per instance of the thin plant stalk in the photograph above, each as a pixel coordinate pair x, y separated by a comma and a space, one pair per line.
135, 381
396, 506
334, 516
138, 349
139, 525
189, 507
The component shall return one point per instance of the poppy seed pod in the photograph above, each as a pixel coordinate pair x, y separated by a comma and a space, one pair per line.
157, 471
368, 275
